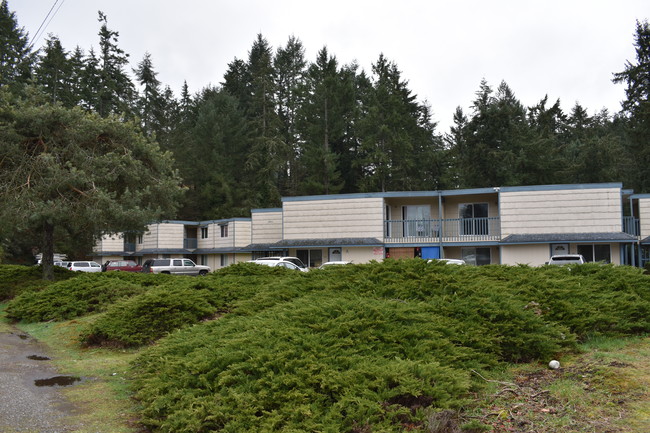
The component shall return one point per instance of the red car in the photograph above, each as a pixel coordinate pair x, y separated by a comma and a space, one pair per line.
122, 265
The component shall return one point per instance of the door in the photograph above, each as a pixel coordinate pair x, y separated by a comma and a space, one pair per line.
417, 220
473, 218
335, 255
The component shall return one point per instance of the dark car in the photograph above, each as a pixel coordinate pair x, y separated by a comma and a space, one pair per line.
122, 265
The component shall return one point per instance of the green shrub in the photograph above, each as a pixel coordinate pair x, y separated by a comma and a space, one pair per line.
15, 279
75, 297
145, 318
315, 363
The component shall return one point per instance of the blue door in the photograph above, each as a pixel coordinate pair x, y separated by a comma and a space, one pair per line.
430, 252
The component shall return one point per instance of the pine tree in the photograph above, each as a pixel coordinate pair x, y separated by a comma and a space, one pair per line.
636, 107
16, 57
150, 102
393, 132
54, 73
289, 64
268, 153
115, 93
321, 123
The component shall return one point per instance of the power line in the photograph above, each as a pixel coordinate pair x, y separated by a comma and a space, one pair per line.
44, 25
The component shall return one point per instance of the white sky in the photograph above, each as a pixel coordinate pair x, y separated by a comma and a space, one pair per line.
567, 49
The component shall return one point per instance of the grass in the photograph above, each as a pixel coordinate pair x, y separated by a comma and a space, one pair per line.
103, 400
601, 389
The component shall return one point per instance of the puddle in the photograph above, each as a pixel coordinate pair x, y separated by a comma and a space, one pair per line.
57, 381
38, 358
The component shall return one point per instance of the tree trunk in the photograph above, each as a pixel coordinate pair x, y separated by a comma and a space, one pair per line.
47, 260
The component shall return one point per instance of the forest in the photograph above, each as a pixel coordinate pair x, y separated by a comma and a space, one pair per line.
279, 124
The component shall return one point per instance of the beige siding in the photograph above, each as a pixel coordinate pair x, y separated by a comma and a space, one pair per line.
266, 227
334, 218
241, 233
110, 243
644, 216
170, 235
163, 235
561, 211
533, 255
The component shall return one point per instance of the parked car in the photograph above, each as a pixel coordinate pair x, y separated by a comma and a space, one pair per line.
295, 260
174, 266
566, 259
84, 266
280, 263
334, 263
122, 265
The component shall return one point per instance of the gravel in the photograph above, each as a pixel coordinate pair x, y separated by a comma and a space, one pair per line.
25, 407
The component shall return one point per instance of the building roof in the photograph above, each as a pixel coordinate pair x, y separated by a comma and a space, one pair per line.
256, 247
223, 250
645, 241
544, 238
163, 251
328, 242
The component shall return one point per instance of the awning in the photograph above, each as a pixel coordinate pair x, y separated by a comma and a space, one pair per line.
545, 238
327, 242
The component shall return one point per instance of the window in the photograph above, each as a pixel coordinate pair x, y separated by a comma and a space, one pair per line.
476, 256
203, 259
224, 260
312, 258
177, 262
139, 239
224, 230
204, 232
596, 252
417, 220
473, 218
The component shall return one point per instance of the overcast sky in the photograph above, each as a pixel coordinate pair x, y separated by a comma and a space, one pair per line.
566, 49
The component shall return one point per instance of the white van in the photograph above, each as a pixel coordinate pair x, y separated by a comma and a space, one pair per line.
84, 266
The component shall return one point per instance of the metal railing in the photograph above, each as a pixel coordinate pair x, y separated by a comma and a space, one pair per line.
442, 230
190, 243
631, 226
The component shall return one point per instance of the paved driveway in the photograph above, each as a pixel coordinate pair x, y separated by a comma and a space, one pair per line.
24, 406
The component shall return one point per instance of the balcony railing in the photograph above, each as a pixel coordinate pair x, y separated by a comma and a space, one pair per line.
190, 243
129, 247
444, 230
631, 226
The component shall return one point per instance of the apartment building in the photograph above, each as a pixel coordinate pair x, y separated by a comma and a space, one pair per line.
507, 225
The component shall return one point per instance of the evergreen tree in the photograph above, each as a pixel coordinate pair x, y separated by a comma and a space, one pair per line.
393, 132
322, 120
268, 154
91, 82
636, 107
150, 102
289, 64
68, 168
115, 93
212, 157
494, 140
54, 73
16, 57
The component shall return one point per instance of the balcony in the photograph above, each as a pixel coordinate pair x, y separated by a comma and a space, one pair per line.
444, 230
631, 226
190, 243
129, 247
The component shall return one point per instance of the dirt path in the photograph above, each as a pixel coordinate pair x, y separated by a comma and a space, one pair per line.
30, 398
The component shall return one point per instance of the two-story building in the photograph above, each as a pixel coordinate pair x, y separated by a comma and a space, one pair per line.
508, 225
